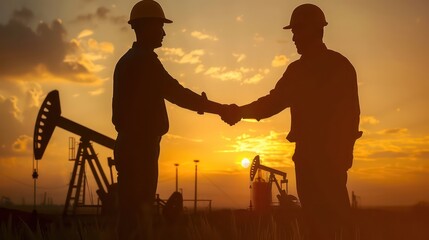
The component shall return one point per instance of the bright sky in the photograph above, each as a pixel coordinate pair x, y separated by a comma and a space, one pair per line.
235, 51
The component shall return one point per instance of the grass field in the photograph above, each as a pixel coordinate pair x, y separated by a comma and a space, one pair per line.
394, 223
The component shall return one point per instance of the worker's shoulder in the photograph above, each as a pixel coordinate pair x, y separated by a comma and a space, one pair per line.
134, 57
337, 58
124, 59
294, 65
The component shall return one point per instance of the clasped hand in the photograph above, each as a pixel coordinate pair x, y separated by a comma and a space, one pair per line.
230, 114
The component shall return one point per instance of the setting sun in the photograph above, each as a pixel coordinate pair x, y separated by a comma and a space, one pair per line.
245, 162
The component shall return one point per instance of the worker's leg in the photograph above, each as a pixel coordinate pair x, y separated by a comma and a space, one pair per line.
137, 181
323, 195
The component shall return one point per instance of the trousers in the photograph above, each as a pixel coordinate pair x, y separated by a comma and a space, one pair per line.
137, 165
322, 190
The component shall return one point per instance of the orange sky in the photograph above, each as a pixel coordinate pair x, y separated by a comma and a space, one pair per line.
235, 51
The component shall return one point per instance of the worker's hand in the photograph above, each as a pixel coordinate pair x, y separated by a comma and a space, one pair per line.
230, 114
204, 95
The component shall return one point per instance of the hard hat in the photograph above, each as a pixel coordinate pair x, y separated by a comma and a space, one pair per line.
307, 15
147, 9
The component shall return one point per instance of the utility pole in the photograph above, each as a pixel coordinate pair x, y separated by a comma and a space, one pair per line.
195, 198
177, 176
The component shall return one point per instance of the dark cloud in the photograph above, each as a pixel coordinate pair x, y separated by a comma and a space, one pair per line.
102, 13
22, 49
24, 15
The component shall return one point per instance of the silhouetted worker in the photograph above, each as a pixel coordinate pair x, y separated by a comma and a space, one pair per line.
321, 90
139, 114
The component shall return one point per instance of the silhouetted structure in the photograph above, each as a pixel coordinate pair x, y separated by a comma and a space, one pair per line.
321, 91
48, 118
262, 188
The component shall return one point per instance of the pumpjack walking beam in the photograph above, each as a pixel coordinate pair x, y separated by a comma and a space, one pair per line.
48, 118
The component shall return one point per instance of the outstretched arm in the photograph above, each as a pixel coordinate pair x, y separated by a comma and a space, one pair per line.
264, 107
277, 100
229, 113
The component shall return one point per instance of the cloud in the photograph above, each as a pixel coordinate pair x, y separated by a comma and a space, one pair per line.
239, 18
9, 108
391, 145
33, 93
87, 52
177, 137
223, 74
100, 47
203, 36
393, 131
243, 75
279, 61
97, 92
44, 53
389, 154
239, 56
85, 33
178, 55
101, 13
22, 144
17, 121
371, 120
192, 57
200, 68
258, 38
398, 160
254, 79
173, 51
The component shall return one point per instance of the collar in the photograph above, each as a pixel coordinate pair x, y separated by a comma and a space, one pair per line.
316, 50
141, 47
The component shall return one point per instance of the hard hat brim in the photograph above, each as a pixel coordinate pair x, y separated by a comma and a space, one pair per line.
164, 20
291, 26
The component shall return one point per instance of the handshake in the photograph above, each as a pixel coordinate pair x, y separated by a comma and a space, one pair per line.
230, 114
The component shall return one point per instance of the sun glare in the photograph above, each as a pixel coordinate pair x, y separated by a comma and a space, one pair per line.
245, 162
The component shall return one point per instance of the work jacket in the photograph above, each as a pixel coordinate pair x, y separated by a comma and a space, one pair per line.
321, 90
141, 85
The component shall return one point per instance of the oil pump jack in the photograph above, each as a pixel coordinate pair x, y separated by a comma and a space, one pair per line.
262, 189
48, 118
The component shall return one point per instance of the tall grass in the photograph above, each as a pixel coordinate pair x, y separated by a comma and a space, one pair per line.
372, 224
244, 226
55, 231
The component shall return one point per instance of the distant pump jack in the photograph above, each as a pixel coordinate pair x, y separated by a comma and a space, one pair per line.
48, 118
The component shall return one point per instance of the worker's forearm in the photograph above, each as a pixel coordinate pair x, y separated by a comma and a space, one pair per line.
209, 106
248, 111
212, 107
